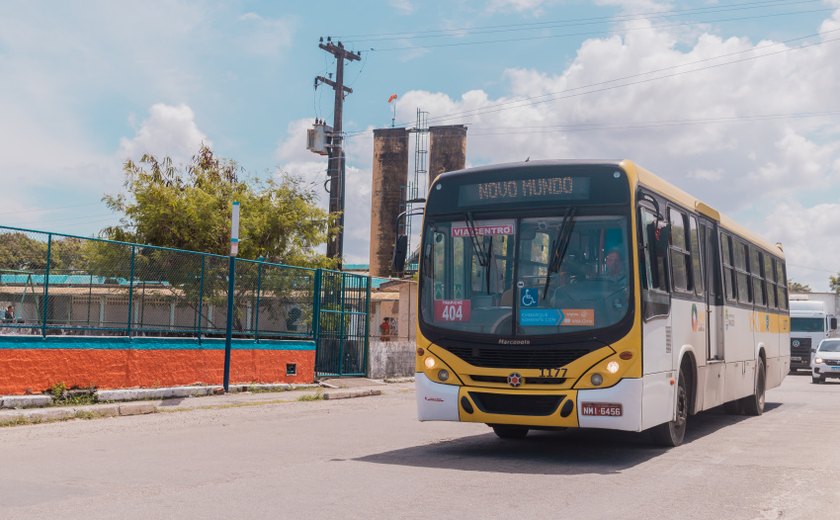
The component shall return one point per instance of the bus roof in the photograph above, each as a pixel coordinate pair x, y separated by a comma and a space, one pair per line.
663, 187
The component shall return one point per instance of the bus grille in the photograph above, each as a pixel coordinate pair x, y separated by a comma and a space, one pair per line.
803, 348
508, 358
507, 404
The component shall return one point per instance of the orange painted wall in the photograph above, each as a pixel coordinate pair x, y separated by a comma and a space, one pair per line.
34, 370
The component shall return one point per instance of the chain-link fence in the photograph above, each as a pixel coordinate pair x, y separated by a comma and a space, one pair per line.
54, 284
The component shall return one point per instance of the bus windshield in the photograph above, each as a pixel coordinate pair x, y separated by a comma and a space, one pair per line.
807, 325
518, 277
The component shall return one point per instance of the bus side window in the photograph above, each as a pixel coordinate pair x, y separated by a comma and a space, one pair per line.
656, 300
696, 257
756, 271
728, 271
740, 253
655, 250
770, 276
781, 287
680, 256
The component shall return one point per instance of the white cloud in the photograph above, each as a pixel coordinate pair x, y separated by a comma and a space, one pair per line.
168, 131
403, 6
694, 125
809, 236
265, 36
706, 175
535, 6
636, 6
833, 23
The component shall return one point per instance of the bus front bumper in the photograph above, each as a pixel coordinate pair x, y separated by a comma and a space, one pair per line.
617, 408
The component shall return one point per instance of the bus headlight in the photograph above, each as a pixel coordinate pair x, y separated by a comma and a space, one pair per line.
596, 379
612, 367
818, 360
443, 374
429, 362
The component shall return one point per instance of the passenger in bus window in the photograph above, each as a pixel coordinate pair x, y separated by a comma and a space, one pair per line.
614, 262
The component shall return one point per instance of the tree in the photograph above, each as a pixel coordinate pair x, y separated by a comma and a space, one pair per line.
20, 252
190, 209
798, 287
834, 283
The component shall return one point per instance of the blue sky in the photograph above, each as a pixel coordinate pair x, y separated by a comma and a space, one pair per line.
742, 112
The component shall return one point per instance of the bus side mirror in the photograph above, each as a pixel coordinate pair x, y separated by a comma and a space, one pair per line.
400, 250
833, 323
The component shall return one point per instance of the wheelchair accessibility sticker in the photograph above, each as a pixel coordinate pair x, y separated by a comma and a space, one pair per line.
528, 296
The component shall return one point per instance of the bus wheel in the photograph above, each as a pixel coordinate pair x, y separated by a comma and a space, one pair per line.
510, 431
815, 380
754, 404
672, 433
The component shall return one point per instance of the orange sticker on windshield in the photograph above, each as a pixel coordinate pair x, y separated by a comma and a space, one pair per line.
578, 317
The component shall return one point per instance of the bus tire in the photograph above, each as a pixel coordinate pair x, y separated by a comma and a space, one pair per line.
510, 431
754, 404
815, 380
672, 433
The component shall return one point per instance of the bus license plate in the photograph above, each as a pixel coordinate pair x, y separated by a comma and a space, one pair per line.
795, 358
605, 409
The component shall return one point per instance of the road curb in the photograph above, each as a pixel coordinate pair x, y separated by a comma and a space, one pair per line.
17, 402
331, 396
20, 417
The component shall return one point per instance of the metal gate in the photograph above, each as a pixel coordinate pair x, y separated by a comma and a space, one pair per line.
341, 324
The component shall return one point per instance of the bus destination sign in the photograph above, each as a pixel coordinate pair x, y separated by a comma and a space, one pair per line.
524, 190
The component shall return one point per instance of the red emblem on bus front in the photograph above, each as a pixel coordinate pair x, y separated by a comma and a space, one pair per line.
514, 380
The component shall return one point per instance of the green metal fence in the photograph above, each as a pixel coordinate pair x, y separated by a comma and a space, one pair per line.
60, 284
342, 324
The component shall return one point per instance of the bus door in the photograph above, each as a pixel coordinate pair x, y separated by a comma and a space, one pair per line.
714, 298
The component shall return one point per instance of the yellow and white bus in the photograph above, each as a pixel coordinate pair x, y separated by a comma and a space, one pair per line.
591, 295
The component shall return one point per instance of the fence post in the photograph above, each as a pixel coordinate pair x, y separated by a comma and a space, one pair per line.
342, 326
229, 327
257, 310
367, 325
46, 287
130, 294
316, 317
200, 299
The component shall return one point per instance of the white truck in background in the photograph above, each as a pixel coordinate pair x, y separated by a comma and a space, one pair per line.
813, 317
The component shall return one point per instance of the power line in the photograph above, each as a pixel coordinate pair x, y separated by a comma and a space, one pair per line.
591, 33
502, 130
570, 92
813, 268
459, 31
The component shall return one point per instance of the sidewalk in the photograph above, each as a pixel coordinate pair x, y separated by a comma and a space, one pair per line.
329, 390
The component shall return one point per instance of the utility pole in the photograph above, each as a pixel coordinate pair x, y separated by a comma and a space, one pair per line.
335, 163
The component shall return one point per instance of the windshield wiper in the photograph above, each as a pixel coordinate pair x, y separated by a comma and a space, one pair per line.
561, 244
478, 245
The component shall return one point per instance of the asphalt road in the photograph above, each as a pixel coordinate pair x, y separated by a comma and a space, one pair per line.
369, 458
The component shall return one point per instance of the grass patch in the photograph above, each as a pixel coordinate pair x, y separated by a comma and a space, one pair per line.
317, 396
63, 396
17, 421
